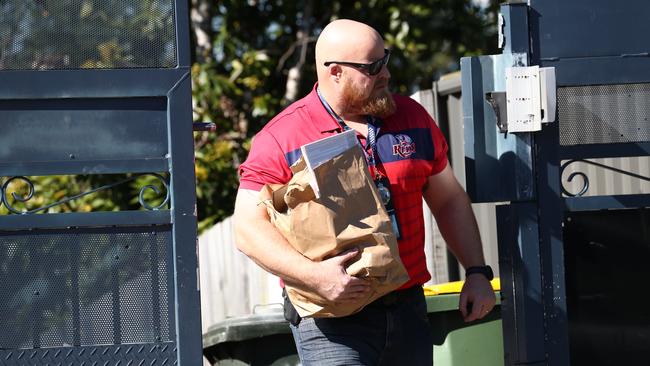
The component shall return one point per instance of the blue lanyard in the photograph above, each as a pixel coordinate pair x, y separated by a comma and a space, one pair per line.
374, 125
331, 111
371, 141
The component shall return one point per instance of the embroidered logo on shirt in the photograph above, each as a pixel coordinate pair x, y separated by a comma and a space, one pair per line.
405, 146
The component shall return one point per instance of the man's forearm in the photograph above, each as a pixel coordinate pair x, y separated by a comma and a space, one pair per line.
256, 237
260, 241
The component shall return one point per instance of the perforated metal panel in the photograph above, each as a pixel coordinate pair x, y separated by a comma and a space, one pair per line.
80, 287
603, 114
76, 34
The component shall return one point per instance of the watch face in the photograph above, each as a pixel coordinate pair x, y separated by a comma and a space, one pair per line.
489, 273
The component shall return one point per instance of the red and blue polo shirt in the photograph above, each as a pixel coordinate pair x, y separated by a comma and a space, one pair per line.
410, 148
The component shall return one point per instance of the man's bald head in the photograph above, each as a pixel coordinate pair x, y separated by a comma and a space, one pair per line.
351, 91
347, 40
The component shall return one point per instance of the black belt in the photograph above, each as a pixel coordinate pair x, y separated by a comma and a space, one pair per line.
396, 296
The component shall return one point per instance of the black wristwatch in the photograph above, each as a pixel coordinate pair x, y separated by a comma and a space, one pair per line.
484, 270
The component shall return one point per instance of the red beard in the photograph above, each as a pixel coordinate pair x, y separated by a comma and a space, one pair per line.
379, 103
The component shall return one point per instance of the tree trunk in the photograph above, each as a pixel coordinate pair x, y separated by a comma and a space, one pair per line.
303, 38
201, 14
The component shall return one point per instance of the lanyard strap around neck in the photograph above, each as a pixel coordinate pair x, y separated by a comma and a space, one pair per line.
331, 111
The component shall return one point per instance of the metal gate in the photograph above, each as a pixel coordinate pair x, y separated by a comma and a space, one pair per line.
571, 258
97, 88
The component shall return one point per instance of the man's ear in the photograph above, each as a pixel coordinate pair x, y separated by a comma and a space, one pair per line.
334, 72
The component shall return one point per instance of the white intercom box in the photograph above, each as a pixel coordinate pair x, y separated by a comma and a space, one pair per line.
530, 97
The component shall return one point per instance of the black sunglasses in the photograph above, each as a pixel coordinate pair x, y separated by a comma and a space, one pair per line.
372, 68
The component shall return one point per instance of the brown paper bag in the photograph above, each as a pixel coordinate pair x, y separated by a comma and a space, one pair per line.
348, 214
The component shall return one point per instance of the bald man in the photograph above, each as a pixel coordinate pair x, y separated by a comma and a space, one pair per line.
406, 153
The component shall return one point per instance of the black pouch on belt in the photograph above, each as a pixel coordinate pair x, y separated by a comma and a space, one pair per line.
290, 313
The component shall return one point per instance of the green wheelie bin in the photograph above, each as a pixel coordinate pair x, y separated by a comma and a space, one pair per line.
457, 343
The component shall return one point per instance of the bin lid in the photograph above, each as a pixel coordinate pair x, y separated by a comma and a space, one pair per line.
246, 327
445, 296
454, 287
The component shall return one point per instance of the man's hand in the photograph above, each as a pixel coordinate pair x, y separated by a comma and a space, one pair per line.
333, 283
478, 292
257, 238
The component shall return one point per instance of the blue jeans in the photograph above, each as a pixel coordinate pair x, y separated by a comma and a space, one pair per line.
394, 330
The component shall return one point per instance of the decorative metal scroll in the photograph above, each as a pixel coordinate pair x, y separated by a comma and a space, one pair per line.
585, 179
4, 199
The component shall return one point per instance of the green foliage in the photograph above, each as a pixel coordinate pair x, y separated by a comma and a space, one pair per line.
241, 82
243, 85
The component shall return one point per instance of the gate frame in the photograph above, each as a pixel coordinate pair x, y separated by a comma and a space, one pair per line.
174, 84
